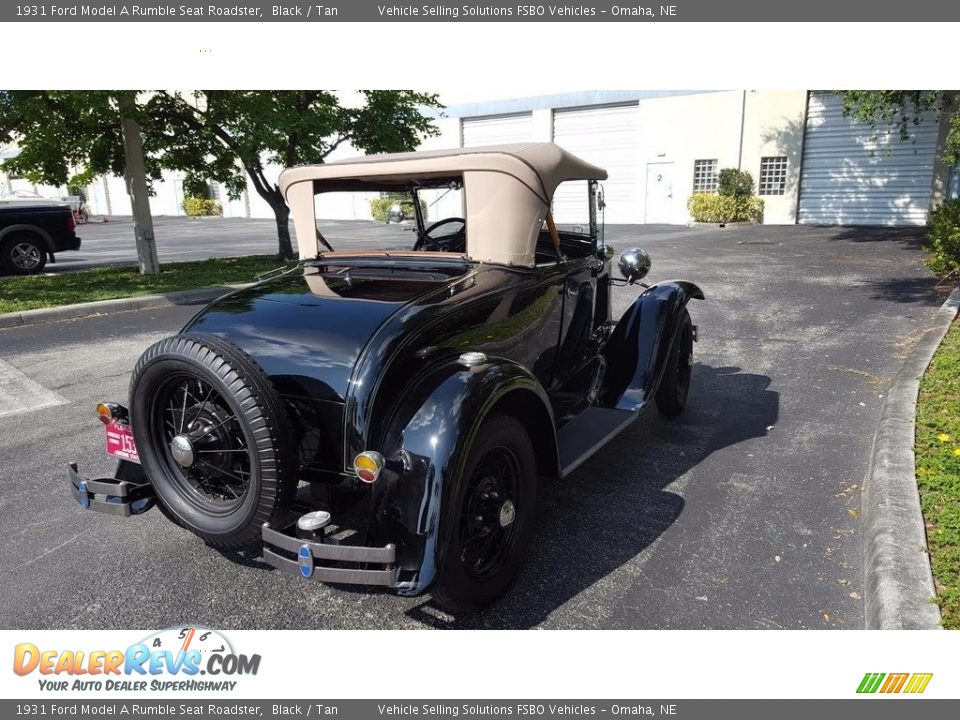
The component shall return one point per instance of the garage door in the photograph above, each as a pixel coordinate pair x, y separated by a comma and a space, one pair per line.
497, 129
605, 136
852, 175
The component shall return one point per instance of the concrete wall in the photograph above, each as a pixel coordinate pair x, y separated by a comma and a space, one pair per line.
774, 124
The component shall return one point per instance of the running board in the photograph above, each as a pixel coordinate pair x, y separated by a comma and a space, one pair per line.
588, 432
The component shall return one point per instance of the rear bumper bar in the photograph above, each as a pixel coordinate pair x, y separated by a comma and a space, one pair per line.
323, 560
110, 496
337, 563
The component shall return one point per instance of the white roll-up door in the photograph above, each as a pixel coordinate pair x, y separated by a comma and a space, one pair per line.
854, 175
607, 137
497, 129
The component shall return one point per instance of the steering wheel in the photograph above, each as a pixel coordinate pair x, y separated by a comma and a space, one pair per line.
445, 242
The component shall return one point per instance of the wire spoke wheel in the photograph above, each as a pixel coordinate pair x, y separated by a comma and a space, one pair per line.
214, 438
206, 449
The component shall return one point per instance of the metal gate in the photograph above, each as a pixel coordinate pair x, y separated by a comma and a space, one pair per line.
608, 137
853, 175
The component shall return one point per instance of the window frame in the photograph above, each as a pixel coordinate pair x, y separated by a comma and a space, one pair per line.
774, 183
698, 176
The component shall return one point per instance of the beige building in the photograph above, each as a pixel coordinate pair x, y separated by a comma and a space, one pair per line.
809, 163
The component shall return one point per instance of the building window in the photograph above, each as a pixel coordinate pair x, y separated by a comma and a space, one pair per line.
704, 176
214, 190
773, 175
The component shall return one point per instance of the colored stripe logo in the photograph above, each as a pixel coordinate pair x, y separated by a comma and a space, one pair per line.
913, 683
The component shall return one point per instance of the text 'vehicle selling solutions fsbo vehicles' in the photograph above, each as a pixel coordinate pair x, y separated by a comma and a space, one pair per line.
419, 393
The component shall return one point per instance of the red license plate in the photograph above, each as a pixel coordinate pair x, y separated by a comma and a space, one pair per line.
120, 441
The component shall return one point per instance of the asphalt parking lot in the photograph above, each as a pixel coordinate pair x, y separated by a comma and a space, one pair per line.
744, 513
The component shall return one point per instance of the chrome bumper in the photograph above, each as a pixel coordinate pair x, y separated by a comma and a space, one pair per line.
337, 562
110, 496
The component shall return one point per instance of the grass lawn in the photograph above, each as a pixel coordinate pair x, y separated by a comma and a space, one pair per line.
938, 471
65, 288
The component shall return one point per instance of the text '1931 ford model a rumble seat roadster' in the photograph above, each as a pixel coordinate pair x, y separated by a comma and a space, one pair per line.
418, 393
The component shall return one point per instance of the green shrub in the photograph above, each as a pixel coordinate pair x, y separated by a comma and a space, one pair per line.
734, 183
201, 207
380, 207
944, 239
710, 208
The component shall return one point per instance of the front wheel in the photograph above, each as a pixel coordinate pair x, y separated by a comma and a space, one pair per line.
675, 385
493, 519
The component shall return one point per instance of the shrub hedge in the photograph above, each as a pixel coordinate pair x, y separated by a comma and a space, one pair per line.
710, 208
944, 239
201, 207
380, 207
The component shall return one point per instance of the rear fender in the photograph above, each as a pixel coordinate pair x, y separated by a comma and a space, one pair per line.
640, 344
426, 444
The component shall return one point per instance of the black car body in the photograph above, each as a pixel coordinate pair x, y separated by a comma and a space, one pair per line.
432, 386
31, 232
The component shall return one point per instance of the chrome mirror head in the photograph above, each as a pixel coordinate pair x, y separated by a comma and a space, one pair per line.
607, 252
634, 264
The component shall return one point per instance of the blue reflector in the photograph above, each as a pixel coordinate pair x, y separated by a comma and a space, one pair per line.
305, 560
84, 497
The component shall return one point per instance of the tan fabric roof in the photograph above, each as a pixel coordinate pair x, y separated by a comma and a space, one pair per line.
542, 166
508, 190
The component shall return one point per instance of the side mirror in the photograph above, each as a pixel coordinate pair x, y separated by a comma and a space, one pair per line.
396, 214
601, 201
634, 264
606, 253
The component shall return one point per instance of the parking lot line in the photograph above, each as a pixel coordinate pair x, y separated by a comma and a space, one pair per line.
20, 394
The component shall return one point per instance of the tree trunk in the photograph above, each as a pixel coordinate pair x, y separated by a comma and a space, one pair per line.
282, 213
136, 178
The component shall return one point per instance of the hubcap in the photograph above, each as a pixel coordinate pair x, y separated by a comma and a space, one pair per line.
508, 513
182, 450
25, 256
488, 521
207, 452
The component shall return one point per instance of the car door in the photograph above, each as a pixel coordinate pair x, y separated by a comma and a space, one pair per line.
575, 349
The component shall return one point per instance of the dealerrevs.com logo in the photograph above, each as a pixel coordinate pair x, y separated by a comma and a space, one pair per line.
891, 683
178, 659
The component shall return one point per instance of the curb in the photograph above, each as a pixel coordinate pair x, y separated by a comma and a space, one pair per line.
898, 583
103, 307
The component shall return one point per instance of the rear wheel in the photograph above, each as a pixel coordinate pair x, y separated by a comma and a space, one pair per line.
494, 512
675, 385
213, 437
22, 254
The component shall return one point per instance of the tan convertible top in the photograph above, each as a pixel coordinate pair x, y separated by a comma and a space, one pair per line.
508, 190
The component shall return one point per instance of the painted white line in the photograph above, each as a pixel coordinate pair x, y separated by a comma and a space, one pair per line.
20, 394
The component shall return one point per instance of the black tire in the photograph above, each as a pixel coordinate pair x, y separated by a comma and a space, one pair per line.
245, 470
23, 253
465, 582
675, 384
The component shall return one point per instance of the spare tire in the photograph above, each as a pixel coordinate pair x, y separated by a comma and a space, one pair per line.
214, 438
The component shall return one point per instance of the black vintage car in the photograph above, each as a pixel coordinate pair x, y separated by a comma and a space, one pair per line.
32, 231
418, 393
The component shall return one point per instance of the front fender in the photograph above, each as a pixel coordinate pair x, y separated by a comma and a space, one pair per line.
426, 445
640, 344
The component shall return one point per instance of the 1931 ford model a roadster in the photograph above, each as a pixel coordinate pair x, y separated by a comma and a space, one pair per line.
420, 393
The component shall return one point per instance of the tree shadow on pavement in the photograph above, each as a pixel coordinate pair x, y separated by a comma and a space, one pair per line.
616, 505
922, 289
